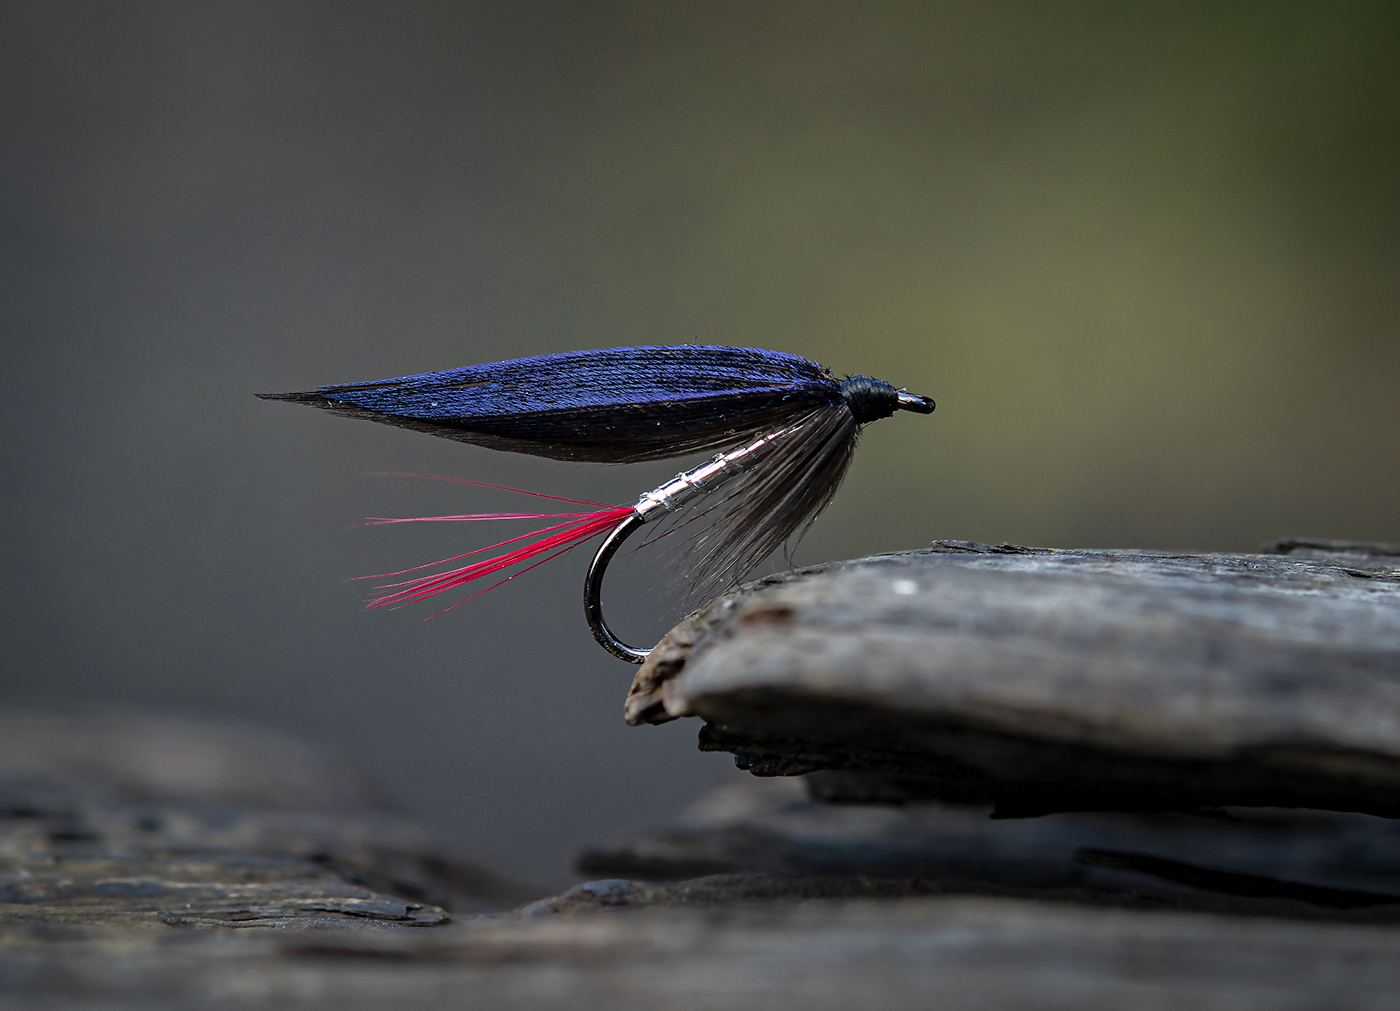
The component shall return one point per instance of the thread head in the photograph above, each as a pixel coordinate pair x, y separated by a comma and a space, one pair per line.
869, 399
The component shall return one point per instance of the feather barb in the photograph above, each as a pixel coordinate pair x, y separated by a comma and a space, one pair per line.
550, 542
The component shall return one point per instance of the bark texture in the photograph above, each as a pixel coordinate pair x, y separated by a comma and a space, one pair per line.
1178, 712
129, 820
1045, 680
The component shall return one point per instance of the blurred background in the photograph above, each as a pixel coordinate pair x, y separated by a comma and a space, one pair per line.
1145, 256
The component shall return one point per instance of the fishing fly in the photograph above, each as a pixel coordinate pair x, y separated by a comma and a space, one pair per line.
782, 427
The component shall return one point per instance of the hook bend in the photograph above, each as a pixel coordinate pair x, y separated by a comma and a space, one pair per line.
593, 592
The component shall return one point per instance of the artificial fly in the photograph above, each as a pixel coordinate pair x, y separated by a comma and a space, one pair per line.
782, 427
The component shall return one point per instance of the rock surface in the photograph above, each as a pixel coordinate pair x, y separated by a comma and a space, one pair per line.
1045, 680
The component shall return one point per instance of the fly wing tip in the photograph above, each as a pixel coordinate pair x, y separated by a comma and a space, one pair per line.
310, 397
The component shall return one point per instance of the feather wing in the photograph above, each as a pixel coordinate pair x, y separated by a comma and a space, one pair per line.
615, 405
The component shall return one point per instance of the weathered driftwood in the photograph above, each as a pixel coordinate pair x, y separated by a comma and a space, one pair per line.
1048, 680
956, 953
105, 870
1257, 862
132, 819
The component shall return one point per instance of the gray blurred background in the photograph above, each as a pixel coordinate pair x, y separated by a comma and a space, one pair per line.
1145, 256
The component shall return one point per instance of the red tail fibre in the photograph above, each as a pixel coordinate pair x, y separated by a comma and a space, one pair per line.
550, 542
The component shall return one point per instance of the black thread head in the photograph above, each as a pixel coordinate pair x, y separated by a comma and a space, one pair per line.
869, 399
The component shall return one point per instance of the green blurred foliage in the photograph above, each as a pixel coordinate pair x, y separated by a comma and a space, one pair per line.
1144, 256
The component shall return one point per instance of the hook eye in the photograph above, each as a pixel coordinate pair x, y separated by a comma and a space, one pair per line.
914, 402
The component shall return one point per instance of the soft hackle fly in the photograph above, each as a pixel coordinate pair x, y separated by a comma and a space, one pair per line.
783, 429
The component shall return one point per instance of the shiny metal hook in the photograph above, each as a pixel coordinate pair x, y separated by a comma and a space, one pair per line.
655, 504
673, 495
593, 592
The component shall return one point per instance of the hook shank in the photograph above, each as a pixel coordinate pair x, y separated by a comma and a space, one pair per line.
672, 495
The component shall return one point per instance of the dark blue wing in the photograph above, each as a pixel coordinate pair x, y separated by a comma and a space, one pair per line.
614, 404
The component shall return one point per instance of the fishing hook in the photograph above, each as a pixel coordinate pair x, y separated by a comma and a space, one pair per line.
672, 495
653, 505
593, 592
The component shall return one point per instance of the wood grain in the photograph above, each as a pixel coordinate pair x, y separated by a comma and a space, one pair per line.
1044, 679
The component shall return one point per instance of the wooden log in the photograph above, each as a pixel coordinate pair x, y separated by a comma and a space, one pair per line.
812, 955
1302, 864
1047, 680
126, 820
104, 878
